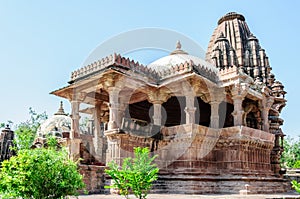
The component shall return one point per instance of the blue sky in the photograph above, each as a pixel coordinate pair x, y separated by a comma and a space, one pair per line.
42, 42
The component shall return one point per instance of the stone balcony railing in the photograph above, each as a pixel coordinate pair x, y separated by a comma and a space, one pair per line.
116, 60
139, 128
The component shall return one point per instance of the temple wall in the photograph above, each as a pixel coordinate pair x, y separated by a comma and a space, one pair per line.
94, 178
194, 148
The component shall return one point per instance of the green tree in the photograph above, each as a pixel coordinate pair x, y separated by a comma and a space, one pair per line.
291, 153
40, 173
25, 132
9, 123
136, 174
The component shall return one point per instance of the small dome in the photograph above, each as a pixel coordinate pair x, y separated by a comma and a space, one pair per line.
55, 125
178, 57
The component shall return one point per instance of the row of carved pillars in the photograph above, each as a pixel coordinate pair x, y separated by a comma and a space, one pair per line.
116, 111
238, 112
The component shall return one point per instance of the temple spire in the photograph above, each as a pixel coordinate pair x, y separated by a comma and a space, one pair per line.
61, 110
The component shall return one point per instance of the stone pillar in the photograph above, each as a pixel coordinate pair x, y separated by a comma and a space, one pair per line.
214, 117
75, 119
97, 119
113, 150
98, 139
113, 108
74, 146
157, 113
190, 109
157, 97
239, 92
238, 110
121, 113
265, 119
266, 105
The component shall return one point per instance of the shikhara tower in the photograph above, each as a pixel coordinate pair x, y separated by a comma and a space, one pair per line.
214, 123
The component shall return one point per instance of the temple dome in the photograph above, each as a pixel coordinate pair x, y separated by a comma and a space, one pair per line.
178, 57
57, 124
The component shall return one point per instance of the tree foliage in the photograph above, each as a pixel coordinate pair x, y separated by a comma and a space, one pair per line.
291, 153
136, 174
25, 132
40, 173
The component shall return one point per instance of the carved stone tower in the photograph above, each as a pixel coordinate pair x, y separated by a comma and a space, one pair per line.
6, 142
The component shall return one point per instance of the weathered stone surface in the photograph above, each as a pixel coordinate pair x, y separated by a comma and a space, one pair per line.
94, 178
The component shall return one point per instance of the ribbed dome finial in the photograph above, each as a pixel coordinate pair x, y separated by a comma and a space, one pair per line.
178, 45
178, 49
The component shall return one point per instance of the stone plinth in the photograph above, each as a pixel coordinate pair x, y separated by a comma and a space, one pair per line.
195, 159
94, 178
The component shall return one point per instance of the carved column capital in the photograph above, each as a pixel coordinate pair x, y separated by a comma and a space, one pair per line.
217, 95
239, 90
158, 96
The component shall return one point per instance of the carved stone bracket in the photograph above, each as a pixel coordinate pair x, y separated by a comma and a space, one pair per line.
77, 96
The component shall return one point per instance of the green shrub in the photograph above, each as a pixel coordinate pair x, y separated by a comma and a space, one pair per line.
297, 164
40, 173
136, 174
296, 185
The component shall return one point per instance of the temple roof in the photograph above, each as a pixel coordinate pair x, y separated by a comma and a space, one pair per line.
231, 16
178, 62
177, 57
55, 125
235, 29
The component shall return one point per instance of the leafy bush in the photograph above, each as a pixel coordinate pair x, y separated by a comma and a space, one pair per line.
296, 185
291, 153
136, 174
297, 164
40, 173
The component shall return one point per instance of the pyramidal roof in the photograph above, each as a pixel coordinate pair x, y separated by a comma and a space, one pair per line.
235, 29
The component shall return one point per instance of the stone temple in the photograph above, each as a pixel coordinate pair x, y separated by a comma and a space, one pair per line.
214, 123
